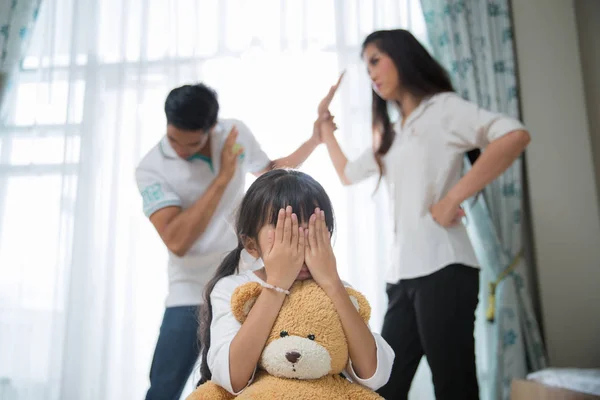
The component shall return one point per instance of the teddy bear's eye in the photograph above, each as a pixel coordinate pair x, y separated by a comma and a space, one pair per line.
283, 334
311, 337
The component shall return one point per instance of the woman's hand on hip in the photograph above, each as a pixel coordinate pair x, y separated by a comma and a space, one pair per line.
447, 212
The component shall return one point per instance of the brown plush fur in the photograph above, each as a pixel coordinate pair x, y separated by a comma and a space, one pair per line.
307, 311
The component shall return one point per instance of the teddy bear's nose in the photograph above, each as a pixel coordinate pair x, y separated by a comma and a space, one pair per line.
293, 356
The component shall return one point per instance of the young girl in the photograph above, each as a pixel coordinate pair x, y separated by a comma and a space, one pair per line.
285, 219
433, 282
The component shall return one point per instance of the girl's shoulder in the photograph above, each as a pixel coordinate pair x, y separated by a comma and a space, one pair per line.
227, 285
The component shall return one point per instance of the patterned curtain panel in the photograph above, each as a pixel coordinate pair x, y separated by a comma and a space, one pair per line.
473, 39
17, 18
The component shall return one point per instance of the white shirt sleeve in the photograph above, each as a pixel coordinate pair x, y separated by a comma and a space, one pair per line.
473, 127
156, 192
385, 361
223, 329
362, 167
255, 159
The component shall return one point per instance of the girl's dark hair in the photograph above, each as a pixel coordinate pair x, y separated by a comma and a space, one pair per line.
419, 73
260, 206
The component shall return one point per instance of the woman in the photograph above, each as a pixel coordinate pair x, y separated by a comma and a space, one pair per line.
433, 281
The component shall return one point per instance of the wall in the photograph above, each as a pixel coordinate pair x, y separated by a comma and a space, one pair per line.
587, 13
562, 185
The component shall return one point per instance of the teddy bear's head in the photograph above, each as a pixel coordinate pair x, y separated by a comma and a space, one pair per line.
307, 340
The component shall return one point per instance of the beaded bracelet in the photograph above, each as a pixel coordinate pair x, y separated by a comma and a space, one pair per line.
275, 288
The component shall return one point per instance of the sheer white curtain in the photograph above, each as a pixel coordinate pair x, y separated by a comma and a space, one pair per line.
82, 271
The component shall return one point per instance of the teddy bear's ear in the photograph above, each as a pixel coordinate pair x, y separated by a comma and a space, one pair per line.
360, 302
243, 298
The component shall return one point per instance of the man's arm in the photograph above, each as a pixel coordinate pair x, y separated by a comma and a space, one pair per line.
299, 156
178, 228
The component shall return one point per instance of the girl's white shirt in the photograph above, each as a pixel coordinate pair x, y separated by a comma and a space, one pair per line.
225, 326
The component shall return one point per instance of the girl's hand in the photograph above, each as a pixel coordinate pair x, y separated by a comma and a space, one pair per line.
319, 257
285, 255
446, 212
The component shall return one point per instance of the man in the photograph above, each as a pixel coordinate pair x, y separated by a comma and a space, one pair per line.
191, 182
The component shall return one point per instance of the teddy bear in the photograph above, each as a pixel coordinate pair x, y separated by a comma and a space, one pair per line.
305, 353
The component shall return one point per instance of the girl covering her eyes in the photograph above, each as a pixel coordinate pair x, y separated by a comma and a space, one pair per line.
285, 219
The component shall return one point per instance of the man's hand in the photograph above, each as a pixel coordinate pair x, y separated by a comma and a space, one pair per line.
321, 129
229, 156
327, 128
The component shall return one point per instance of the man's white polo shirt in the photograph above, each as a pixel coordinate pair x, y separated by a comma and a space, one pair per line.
164, 179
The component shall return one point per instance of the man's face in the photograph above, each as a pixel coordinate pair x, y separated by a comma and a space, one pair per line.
186, 143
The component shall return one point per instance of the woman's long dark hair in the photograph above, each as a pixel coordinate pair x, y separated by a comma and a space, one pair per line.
260, 206
419, 73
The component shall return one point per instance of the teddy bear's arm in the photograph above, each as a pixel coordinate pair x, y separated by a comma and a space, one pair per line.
358, 392
329, 387
210, 391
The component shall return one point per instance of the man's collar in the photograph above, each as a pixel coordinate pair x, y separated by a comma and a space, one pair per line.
167, 150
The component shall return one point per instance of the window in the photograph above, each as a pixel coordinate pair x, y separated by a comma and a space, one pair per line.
81, 268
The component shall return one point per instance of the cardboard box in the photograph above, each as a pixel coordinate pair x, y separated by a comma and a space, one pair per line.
531, 390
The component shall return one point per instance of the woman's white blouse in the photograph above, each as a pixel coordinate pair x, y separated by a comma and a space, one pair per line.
423, 164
